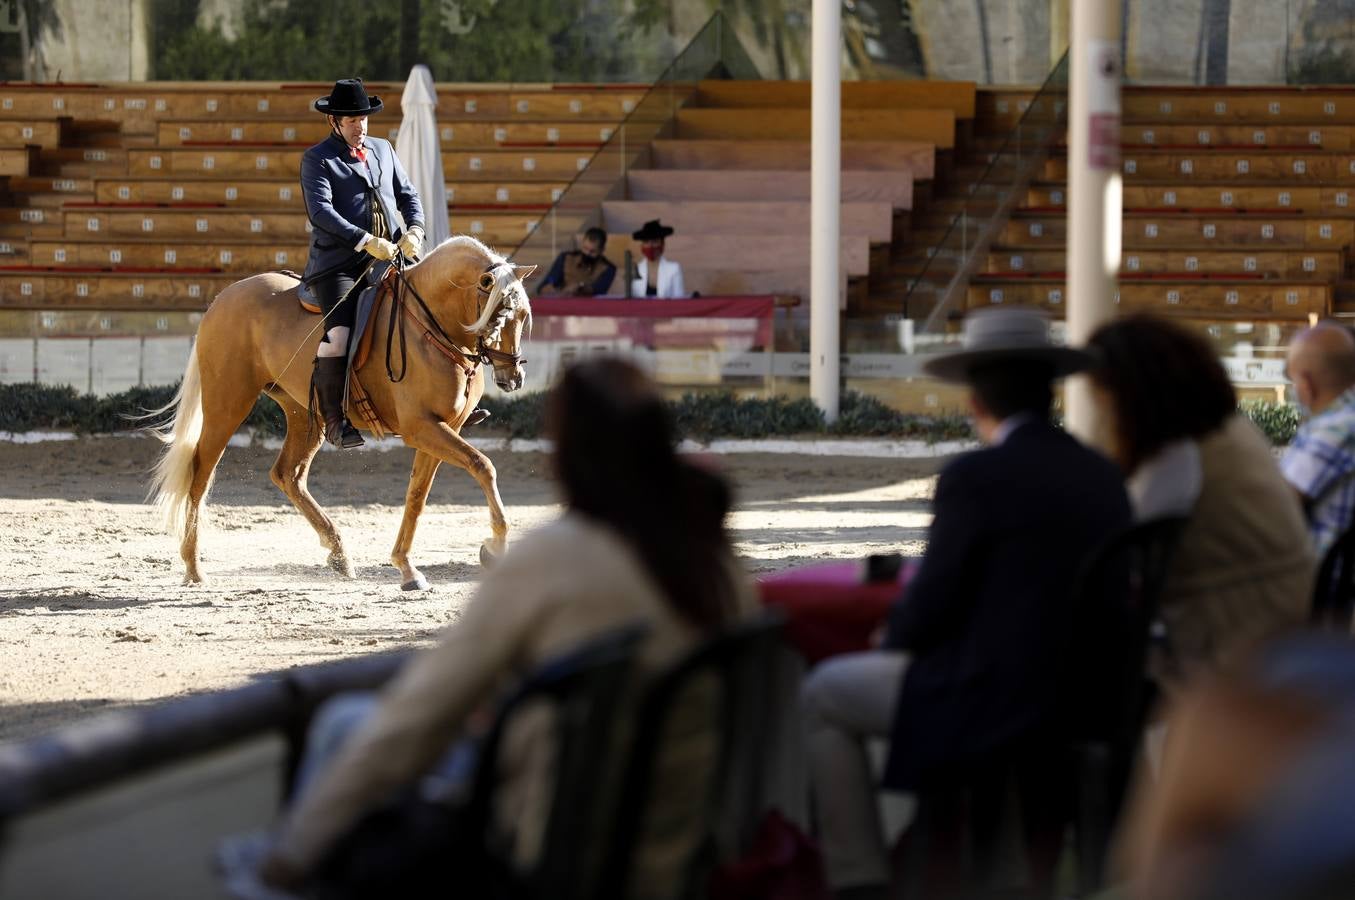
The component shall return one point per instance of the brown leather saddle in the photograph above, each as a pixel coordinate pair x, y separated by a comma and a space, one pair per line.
359, 401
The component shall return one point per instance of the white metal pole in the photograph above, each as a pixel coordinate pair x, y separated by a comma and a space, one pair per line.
1094, 186
825, 208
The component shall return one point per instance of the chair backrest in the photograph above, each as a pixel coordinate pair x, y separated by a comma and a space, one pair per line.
1334, 591
584, 690
728, 679
1133, 564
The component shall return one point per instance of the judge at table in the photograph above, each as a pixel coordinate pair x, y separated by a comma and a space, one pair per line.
656, 275
981, 655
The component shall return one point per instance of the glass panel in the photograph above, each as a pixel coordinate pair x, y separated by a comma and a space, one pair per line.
715, 52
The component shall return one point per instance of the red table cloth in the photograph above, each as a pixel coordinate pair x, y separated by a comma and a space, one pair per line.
828, 608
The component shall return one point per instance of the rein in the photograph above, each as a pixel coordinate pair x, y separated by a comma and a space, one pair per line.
434, 333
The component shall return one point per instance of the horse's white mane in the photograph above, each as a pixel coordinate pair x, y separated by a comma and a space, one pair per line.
505, 297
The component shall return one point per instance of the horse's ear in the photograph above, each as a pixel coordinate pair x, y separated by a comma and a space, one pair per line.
523, 272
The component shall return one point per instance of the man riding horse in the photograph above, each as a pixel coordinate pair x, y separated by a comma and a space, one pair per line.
352, 182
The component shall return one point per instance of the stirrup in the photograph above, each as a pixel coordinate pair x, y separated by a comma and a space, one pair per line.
343, 435
476, 417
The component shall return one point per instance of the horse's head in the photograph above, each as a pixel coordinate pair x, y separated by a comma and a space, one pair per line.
490, 302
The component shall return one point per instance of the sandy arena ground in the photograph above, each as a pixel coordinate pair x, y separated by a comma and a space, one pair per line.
93, 614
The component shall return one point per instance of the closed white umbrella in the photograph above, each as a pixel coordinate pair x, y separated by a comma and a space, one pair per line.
420, 151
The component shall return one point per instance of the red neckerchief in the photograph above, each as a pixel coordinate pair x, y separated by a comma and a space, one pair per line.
359, 153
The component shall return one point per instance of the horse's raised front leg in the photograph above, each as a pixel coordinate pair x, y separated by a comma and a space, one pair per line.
441, 442
291, 470
420, 481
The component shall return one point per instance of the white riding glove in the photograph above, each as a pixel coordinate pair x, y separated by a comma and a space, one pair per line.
411, 243
381, 248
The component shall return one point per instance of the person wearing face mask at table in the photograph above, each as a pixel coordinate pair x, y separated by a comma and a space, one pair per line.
581, 273
655, 275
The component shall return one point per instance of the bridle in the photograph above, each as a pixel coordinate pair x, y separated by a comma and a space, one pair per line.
467, 360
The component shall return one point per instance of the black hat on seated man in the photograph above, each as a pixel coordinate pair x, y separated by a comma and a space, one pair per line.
348, 98
653, 230
997, 335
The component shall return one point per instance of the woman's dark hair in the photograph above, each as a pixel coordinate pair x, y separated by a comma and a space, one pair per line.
616, 458
1166, 384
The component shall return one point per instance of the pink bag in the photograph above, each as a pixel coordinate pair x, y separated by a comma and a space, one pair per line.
783, 863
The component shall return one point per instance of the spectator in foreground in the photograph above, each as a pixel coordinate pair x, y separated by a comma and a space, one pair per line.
977, 659
1320, 463
584, 272
642, 539
1257, 782
655, 274
1242, 570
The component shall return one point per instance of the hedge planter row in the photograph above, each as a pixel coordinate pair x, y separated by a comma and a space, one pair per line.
703, 417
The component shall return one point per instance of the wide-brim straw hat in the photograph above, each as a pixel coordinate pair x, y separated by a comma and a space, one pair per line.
1007, 335
348, 98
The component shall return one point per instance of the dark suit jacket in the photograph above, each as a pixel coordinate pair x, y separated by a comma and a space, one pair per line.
989, 617
339, 202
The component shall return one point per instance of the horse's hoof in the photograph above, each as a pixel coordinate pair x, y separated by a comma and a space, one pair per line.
193, 580
417, 583
339, 563
488, 556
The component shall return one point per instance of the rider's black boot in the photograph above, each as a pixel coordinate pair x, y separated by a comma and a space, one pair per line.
328, 381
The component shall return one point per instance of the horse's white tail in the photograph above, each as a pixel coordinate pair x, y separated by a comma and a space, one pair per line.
173, 474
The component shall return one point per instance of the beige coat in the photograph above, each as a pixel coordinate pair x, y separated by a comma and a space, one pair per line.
558, 587
1243, 570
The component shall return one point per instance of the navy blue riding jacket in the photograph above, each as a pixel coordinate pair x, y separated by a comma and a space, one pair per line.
338, 189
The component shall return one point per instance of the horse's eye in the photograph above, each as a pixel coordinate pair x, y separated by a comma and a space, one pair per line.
486, 282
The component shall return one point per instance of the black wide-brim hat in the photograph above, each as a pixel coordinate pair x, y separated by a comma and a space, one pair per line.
652, 231
348, 98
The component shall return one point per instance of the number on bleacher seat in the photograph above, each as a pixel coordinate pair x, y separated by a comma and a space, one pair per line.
1258, 137
995, 295
1132, 263
171, 256
1285, 198
1192, 263
1274, 108
1300, 167
1226, 198
176, 193
1173, 298
1342, 199
1324, 231
1309, 264
1150, 230
1210, 230
1267, 231
200, 225
1187, 167
232, 193
124, 192
1230, 298
1055, 296
59, 254
1291, 298
1169, 198
1220, 107
1315, 137
1249, 263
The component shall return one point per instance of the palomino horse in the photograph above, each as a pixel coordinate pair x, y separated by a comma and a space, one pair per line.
256, 337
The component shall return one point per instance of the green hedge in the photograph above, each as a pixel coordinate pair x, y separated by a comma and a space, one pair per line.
30, 407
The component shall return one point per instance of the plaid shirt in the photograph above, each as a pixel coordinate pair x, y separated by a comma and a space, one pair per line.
1320, 463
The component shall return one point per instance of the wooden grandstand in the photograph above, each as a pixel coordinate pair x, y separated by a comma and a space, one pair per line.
1237, 202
